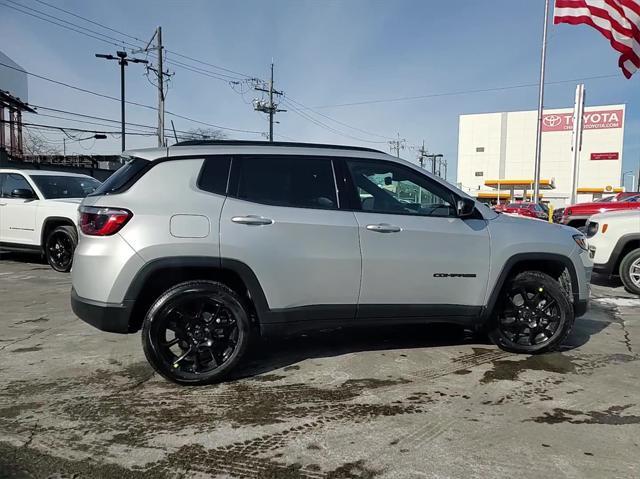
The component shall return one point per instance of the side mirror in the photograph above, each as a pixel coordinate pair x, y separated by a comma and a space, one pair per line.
465, 207
23, 193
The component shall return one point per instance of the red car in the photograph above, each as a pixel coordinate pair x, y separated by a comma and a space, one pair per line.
532, 210
578, 214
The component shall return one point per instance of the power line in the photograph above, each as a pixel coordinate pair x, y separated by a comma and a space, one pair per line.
129, 102
304, 107
461, 92
63, 128
325, 126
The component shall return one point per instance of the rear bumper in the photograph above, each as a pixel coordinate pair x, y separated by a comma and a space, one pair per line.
603, 268
110, 317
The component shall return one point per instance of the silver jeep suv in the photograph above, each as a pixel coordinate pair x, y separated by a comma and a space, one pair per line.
203, 244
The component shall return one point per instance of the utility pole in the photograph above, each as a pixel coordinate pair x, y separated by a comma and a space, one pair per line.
160, 78
268, 107
123, 61
436, 159
397, 145
578, 123
422, 154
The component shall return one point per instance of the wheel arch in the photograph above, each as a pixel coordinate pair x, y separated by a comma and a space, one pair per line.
52, 222
157, 276
623, 247
550, 263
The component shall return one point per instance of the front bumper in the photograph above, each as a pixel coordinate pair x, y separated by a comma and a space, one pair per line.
110, 317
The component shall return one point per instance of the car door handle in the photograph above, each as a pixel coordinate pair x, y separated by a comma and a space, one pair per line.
384, 228
252, 220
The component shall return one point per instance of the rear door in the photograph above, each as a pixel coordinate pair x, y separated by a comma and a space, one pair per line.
282, 219
419, 258
18, 220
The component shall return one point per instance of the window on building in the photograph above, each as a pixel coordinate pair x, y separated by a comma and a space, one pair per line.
479, 149
287, 181
479, 173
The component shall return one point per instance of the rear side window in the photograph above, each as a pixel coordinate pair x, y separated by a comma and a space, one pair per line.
287, 181
123, 178
214, 175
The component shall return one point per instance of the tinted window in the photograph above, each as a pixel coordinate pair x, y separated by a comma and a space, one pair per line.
287, 181
214, 175
14, 181
123, 178
65, 186
384, 187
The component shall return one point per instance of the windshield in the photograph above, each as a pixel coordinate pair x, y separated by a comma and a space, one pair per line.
65, 186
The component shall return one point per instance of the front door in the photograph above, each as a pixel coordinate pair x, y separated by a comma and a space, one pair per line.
281, 218
418, 258
17, 215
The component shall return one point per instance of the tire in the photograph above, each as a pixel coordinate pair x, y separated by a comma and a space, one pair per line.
59, 247
630, 271
210, 327
537, 324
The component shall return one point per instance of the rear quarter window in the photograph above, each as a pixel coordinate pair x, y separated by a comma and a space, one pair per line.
123, 178
215, 175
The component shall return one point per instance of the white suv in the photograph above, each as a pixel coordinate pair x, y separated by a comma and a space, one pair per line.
614, 245
39, 210
202, 243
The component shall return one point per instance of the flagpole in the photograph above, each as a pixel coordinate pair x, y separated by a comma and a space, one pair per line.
536, 174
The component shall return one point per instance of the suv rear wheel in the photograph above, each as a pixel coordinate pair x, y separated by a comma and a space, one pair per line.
534, 314
630, 271
196, 332
59, 247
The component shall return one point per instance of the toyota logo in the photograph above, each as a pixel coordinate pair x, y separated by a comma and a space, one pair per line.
551, 120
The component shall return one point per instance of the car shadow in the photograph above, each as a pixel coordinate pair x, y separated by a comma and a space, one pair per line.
269, 355
19, 257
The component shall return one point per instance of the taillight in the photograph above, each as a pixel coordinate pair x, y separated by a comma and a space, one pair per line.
97, 221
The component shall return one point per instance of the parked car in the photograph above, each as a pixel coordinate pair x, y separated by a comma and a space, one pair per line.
614, 246
622, 196
578, 214
531, 210
202, 244
39, 211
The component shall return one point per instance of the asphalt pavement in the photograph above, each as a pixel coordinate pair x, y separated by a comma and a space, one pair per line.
410, 402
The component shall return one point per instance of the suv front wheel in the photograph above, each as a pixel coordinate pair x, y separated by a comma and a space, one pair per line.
534, 315
630, 271
196, 332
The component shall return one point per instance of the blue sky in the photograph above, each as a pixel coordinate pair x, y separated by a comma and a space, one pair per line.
326, 53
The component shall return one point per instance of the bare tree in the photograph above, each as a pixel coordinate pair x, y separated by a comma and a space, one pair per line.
204, 134
35, 144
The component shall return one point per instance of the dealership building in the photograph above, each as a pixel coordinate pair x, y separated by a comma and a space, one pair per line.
496, 153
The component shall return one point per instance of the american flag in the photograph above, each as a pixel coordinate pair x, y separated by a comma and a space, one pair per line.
618, 20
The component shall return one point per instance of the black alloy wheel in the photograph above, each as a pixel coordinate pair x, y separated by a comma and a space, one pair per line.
196, 332
59, 248
534, 314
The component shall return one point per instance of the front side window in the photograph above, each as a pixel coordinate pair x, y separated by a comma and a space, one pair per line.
14, 181
65, 186
286, 181
385, 187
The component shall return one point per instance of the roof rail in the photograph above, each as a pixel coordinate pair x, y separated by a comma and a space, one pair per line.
270, 143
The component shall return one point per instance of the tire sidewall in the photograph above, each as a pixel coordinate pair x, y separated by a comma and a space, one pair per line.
73, 236
566, 316
625, 271
150, 324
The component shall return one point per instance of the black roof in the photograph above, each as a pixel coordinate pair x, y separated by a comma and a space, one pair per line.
270, 143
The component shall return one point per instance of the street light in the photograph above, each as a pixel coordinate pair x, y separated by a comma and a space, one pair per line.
97, 136
123, 61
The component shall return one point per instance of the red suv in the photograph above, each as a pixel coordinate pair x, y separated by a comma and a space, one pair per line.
578, 214
532, 210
